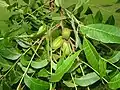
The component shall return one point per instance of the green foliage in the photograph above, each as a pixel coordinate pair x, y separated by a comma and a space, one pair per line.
91, 54
59, 45
64, 67
87, 80
36, 84
101, 32
115, 82
39, 64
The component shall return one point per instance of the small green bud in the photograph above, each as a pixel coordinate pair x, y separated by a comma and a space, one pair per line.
66, 33
57, 43
66, 48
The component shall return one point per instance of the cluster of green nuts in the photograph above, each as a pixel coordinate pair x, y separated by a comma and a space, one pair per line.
62, 42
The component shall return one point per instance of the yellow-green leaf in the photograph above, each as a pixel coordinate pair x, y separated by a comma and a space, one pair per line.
64, 67
102, 32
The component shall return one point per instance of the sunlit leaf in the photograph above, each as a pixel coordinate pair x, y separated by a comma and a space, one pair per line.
30, 70
66, 3
88, 79
36, 84
94, 59
10, 53
102, 67
3, 4
115, 82
91, 54
5, 64
64, 67
54, 65
102, 32
98, 17
69, 84
115, 57
39, 64
23, 60
80, 3
22, 44
43, 73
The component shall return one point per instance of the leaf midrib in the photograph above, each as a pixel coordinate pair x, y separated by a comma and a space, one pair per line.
99, 30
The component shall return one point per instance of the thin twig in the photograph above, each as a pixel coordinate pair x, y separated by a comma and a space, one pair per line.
73, 81
83, 74
61, 15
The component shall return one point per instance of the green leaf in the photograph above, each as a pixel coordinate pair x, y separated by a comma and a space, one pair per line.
102, 32
22, 44
1, 87
56, 16
115, 82
59, 63
57, 2
64, 67
5, 64
54, 65
26, 1
118, 10
115, 57
87, 80
17, 31
66, 3
55, 57
4, 16
74, 66
36, 84
91, 54
94, 59
10, 53
80, 3
39, 64
43, 73
89, 19
23, 60
102, 67
118, 1
111, 20
98, 17
42, 30
107, 7
6, 86
88, 11
30, 70
14, 77
69, 84
3, 4
7, 1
